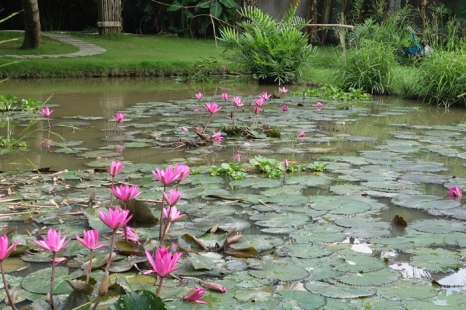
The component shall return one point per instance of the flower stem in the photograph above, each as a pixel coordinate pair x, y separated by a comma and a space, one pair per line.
111, 194
90, 268
161, 216
111, 252
125, 228
284, 177
48, 120
234, 116
52, 280
208, 122
12, 303
160, 287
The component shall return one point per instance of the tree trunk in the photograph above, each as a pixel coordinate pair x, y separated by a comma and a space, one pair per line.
31, 24
109, 17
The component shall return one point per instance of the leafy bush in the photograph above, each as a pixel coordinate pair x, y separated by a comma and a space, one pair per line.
273, 167
335, 92
443, 78
235, 170
369, 67
272, 51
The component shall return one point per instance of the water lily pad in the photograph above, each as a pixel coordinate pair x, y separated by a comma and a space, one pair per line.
259, 242
39, 281
100, 153
308, 180
303, 251
304, 300
435, 260
360, 263
342, 206
347, 189
339, 291
225, 224
277, 271
286, 200
256, 183
424, 202
280, 220
437, 226
376, 278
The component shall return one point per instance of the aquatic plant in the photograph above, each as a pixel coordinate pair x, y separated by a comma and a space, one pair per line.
212, 108
90, 241
52, 243
46, 112
256, 113
287, 164
5, 251
271, 166
199, 97
234, 170
455, 192
113, 170
319, 166
163, 264
130, 235
301, 134
115, 219
272, 51
194, 295
238, 103
284, 108
120, 117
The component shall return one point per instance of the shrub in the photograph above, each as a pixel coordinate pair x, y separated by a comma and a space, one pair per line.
272, 51
368, 66
442, 78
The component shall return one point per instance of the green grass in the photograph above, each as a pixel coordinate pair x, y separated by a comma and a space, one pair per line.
127, 55
48, 46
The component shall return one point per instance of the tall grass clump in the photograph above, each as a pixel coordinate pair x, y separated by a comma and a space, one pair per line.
443, 78
368, 66
274, 52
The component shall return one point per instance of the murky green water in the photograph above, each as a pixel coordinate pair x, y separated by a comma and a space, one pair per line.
376, 153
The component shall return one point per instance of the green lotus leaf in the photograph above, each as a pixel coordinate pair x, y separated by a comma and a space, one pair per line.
375, 278
339, 291
305, 300
277, 271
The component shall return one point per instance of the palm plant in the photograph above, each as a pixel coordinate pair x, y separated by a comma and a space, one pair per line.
273, 51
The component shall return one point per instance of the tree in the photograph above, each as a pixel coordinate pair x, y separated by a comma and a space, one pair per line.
31, 24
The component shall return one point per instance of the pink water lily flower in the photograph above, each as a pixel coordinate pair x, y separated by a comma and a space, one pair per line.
164, 263
224, 67
343, 123
199, 96
301, 134
132, 235
52, 242
212, 107
184, 128
259, 102
46, 112
217, 136
199, 128
91, 238
120, 147
5, 251
194, 295
319, 104
285, 108
172, 198
115, 168
455, 192
119, 117
183, 171
265, 96
283, 90
174, 214
115, 218
125, 193
237, 101
166, 176
287, 163
225, 96
257, 110
46, 143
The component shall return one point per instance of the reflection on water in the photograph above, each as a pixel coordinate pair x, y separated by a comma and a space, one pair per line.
409, 272
457, 278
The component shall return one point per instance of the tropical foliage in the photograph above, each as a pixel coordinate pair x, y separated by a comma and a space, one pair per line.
274, 52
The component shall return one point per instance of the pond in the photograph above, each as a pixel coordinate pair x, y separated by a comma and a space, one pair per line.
318, 240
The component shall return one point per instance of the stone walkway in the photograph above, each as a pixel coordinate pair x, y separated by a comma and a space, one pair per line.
85, 49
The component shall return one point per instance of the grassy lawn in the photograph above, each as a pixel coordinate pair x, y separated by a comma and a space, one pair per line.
48, 46
127, 55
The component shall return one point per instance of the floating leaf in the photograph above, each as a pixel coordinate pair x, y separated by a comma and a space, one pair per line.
39, 281
225, 224
376, 278
128, 248
141, 299
303, 251
259, 242
280, 220
437, 226
342, 206
282, 272
339, 290
360, 263
201, 262
305, 300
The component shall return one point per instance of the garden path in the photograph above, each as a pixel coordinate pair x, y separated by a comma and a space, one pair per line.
85, 49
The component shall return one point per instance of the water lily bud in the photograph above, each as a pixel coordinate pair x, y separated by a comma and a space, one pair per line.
217, 287
234, 239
